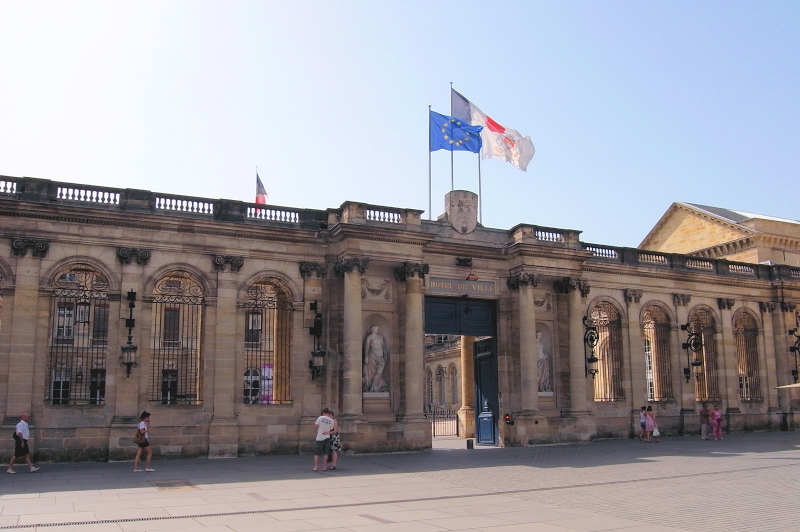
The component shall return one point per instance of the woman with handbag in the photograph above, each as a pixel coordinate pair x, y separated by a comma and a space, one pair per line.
716, 421
652, 426
141, 439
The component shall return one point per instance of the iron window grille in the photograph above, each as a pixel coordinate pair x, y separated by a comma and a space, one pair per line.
746, 332
177, 340
267, 344
608, 382
706, 387
657, 332
78, 337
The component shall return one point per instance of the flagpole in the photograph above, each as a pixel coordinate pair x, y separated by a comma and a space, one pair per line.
452, 185
480, 196
429, 164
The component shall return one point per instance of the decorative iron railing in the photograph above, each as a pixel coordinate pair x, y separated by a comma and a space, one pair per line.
443, 422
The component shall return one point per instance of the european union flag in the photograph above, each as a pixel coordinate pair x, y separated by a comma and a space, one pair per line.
452, 134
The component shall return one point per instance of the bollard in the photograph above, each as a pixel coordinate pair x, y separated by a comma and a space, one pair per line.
469, 444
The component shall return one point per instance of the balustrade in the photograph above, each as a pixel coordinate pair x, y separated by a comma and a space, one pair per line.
273, 214
601, 251
383, 215
8, 187
650, 258
183, 204
88, 195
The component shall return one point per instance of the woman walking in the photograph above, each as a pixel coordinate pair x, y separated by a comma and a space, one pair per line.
336, 446
651, 425
144, 430
716, 421
643, 423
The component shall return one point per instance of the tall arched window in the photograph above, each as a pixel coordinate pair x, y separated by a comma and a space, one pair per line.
656, 331
453, 372
78, 337
706, 385
608, 381
267, 345
177, 340
746, 331
440, 382
428, 390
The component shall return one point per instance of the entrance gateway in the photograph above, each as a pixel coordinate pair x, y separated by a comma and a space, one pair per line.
472, 318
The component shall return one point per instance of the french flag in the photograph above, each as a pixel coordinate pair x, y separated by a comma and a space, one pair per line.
261, 192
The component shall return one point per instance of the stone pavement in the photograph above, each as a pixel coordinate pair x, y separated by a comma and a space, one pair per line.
745, 482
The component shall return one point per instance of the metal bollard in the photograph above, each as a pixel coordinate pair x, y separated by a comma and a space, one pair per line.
469, 444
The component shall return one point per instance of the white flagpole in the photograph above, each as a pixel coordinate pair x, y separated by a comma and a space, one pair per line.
429, 165
480, 195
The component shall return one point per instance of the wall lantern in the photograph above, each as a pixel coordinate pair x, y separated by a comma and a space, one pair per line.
693, 343
796, 350
317, 363
129, 350
590, 339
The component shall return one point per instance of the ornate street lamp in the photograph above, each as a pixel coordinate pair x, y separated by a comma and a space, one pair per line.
129, 350
693, 343
590, 339
796, 350
317, 363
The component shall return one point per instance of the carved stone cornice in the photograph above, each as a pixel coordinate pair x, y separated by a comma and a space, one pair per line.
411, 269
788, 307
568, 284
235, 262
348, 265
681, 300
725, 303
126, 255
311, 269
632, 295
523, 278
766, 307
38, 247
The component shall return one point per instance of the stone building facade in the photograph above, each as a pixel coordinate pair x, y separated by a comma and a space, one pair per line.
239, 322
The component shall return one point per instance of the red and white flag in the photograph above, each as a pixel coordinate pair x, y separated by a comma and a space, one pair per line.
261, 192
498, 142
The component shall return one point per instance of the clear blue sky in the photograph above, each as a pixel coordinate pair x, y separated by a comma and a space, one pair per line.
631, 105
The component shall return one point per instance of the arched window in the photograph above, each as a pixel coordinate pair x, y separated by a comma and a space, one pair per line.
177, 340
608, 381
440, 382
78, 337
656, 330
455, 397
706, 385
746, 331
428, 390
267, 346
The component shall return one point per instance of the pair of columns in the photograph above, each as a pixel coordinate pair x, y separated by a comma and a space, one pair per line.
412, 274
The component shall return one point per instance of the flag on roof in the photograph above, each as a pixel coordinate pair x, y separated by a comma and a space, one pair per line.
498, 142
452, 134
261, 192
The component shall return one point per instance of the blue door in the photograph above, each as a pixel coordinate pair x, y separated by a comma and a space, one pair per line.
486, 402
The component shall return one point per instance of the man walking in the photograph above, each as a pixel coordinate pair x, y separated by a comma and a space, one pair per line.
322, 447
704, 422
21, 436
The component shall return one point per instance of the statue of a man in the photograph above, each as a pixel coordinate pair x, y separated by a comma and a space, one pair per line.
543, 365
375, 356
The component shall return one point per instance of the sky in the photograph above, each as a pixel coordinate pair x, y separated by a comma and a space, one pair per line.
631, 105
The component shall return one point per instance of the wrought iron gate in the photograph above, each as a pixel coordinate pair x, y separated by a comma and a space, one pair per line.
443, 422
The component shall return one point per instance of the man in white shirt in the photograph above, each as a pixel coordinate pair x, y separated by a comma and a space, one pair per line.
21, 436
322, 447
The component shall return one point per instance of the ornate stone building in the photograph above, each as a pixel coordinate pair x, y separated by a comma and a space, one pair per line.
235, 323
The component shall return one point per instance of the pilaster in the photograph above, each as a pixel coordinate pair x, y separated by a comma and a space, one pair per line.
577, 290
730, 364
413, 274
466, 414
635, 351
351, 270
524, 283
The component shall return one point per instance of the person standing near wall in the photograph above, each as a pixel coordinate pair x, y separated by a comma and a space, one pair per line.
704, 422
716, 419
322, 445
22, 434
144, 429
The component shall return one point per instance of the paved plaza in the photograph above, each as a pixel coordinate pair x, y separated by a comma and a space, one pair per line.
745, 482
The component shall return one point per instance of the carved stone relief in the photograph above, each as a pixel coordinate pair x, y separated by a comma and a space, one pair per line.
376, 289
235, 263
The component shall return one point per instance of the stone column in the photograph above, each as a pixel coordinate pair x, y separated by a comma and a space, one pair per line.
769, 373
577, 290
412, 274
783, 321
636, 361
687, 397
23, 322
316, 392
529, 370
223, 433
730, 393
351, 270
466, 414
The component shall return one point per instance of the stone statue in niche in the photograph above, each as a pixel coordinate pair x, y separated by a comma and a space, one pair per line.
376, 354
543, 365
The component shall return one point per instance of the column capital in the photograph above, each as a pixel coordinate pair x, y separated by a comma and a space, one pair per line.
411, 269
219, 262
766, 306
126, 255
725, 303
681, 300
632, 295
523, 278
570, 284
20, 246
788, 307
313, 269
343, 266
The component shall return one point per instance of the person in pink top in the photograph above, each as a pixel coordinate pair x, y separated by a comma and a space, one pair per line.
716, 422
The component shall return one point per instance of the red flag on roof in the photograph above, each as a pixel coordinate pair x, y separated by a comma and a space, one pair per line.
261, 192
